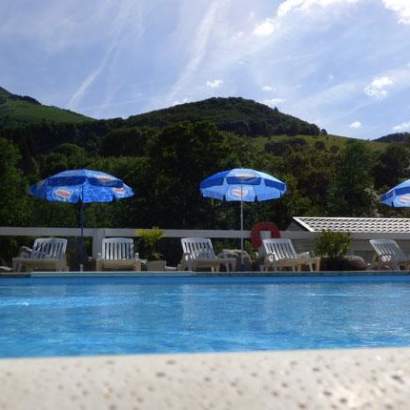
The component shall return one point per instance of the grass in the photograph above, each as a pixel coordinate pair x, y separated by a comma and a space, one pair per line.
328, 140
15, 112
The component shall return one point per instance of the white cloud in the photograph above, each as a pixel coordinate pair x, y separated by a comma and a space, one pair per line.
199, 47
404, 126
237, 36
85, 85
214, 83
356, 125
179, 102
264, 29
401, 8
273, 102
267, 88
268, 26
378, 87
125, 14
289, 6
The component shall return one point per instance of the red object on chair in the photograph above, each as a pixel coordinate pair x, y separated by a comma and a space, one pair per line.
263, 226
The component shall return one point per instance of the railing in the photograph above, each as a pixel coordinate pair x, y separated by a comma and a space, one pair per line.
303, 240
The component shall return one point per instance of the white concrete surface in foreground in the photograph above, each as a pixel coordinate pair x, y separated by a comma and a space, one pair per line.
318, 379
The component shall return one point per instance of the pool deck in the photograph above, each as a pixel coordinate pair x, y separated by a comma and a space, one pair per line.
168, 274
315, 379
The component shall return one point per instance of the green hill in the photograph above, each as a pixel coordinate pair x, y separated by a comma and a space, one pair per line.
16, 111
238, 115
400, 137
270, 131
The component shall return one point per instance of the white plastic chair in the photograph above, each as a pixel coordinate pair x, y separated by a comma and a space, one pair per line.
389, 255
199, 253
118, 254
46, 254
280, 254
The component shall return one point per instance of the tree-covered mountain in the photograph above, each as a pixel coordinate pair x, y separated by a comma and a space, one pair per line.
399, 137
238, 115
16, 111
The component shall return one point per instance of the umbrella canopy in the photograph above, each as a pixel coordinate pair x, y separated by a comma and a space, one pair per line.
397, 197
81, 186
242, 184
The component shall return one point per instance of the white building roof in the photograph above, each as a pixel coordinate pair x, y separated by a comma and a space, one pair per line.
381, 225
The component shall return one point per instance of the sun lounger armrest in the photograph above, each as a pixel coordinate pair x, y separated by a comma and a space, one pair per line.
225, 255
186, 256
398, 259
304, 255
186, 261
270, 258
25, 251
388, 257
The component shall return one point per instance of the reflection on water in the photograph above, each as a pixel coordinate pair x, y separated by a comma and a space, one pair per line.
107, 316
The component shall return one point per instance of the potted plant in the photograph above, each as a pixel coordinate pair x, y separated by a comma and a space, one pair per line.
150, 238
333, 247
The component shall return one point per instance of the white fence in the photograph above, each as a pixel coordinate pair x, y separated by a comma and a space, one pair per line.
303, 240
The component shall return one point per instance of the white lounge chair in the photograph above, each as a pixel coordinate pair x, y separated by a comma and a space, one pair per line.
241, 256
46, 254
198, 253
4, 267
389, 255
118, 254
280, 254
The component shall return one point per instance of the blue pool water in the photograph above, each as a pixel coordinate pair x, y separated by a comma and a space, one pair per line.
89, 316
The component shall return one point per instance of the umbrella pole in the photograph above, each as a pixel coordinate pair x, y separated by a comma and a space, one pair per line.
241, 229
81, 235
82, 221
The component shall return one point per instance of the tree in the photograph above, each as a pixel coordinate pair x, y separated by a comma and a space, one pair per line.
13, 197
351, 191
125, 141
392, 167
180, 157
66, 156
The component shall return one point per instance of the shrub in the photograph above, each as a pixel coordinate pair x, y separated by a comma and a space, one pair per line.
150, 238
333, 246
277, 148
320, 146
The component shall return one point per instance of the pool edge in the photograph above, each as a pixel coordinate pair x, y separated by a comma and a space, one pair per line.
188, 274
307, 379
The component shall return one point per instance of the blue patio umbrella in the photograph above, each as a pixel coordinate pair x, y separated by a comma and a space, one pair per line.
242, 185
81, 186
398, 196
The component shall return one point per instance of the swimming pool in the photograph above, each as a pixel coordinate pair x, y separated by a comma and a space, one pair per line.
119, 315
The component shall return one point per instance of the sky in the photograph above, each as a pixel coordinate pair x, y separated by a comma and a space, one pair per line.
341, 64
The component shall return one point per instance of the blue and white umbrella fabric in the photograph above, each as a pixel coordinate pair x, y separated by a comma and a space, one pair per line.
244, 185
81, 186
397, 197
